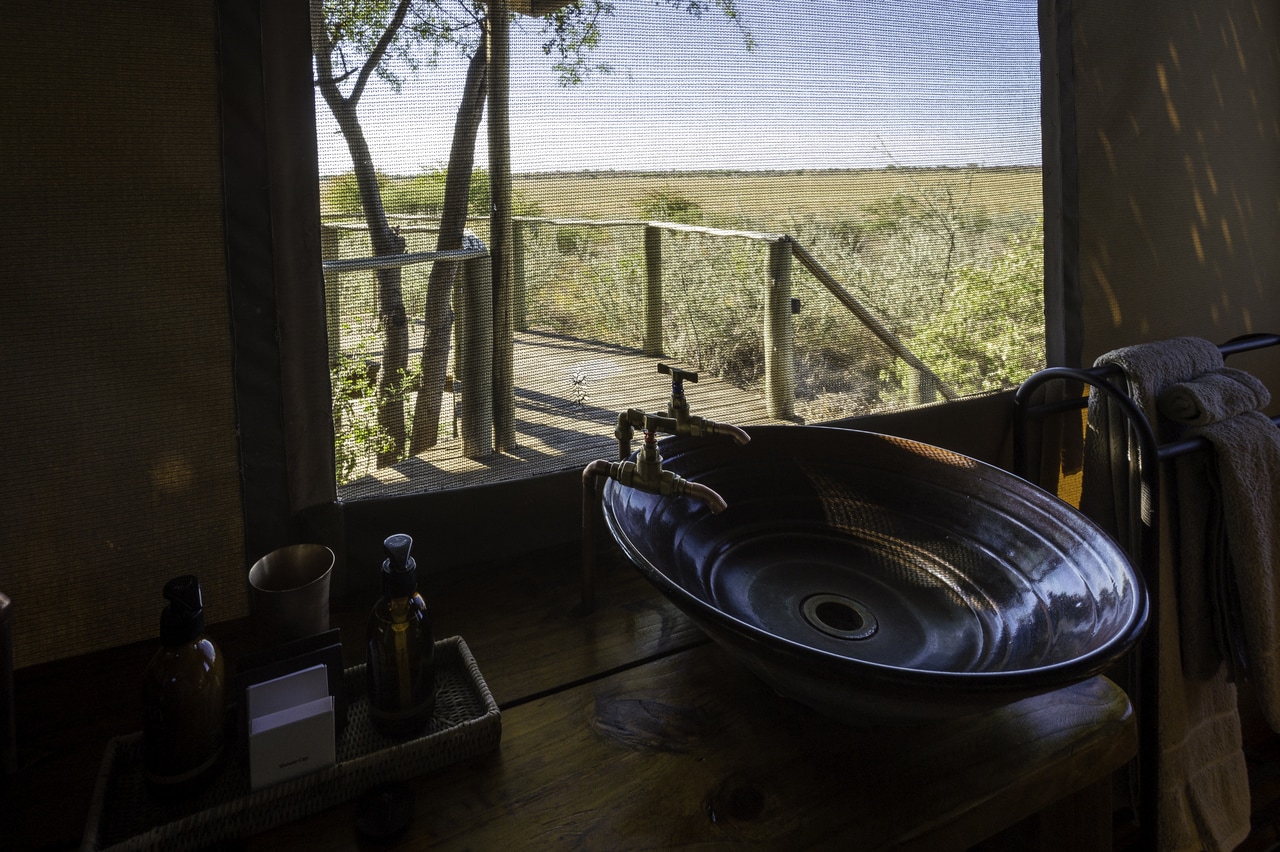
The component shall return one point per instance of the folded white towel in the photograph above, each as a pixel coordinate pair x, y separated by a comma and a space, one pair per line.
1242, 588
1209, 603
1204, 783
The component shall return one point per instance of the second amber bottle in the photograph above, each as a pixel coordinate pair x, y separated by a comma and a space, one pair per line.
401, 648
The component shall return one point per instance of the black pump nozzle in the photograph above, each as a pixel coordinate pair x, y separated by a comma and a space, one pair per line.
183, 619
399, 570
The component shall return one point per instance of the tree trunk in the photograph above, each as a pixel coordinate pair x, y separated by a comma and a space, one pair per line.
382, 238
392, 319
453, 221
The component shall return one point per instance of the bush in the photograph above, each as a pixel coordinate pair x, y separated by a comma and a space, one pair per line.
340, 194
989, 334
421, 194
668, 206
573, 241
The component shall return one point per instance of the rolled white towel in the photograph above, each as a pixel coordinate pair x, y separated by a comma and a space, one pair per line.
1213, 397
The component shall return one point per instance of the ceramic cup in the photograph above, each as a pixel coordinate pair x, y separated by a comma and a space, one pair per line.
289, 593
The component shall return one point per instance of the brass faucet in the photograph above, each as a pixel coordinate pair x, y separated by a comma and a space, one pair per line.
686, 423
646, 473
678, 420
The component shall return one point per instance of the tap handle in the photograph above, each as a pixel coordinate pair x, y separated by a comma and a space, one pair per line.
678, 378
652, 424
678, 375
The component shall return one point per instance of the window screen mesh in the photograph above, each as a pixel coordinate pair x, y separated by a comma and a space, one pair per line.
866, 174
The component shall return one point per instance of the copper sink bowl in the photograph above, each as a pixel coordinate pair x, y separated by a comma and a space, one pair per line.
880, 580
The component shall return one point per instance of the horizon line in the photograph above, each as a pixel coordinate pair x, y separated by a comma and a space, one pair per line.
891, 167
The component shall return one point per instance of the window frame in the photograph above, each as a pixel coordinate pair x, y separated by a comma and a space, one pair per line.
279, 328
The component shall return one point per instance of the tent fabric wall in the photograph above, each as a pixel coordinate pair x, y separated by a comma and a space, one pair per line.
120, 463
1178, 139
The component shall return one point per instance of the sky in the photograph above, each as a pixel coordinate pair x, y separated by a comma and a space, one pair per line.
832, 84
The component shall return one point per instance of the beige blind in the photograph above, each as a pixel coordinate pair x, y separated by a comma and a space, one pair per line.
119, 442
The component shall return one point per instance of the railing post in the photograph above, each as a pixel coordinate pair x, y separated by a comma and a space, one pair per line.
653, 290
475, 356
330, 239
922, 388
518, 321
502, 334
779, 338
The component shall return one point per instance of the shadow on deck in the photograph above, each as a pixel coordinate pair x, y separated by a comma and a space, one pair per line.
568, 395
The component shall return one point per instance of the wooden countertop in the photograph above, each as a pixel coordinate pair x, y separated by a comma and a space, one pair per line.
627, 728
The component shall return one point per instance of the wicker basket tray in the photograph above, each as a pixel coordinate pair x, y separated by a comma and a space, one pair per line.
124, 817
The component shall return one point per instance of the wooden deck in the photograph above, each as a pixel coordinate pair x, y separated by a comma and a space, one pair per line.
568, 395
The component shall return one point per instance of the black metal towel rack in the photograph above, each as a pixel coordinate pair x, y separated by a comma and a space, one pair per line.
1144, 547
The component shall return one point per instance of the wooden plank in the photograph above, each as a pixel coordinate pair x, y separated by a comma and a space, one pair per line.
568, 394
1082, 820
519, 619
690, 750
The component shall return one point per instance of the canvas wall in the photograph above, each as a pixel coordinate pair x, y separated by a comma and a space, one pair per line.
1178, 135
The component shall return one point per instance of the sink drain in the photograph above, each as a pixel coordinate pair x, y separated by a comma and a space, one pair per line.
838, 616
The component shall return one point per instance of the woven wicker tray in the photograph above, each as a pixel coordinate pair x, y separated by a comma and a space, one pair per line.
124, 817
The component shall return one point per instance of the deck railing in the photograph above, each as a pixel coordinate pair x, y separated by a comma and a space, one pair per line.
476, 335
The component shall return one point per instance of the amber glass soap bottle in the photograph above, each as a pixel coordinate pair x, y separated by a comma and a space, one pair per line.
182, 697
401, 648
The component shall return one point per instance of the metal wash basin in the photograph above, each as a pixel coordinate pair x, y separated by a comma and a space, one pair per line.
878, 579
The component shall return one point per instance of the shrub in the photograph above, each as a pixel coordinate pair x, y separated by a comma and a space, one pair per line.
990, 332
668, 206
572, 241
421, 194
340, 194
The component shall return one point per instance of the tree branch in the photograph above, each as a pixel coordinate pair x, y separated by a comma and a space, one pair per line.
379, 51
322, 49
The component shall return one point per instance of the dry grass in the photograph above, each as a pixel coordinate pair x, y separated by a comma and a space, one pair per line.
896, 239
771, 199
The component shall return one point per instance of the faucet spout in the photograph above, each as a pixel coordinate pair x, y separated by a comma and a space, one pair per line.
713, 501
646, 474
643, 477
700, 426
680, 421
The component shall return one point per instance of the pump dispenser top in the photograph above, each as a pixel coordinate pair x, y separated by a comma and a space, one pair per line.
183, 619
399, 569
